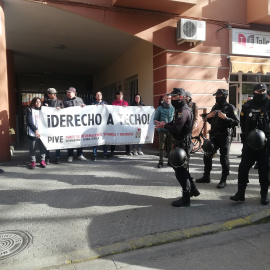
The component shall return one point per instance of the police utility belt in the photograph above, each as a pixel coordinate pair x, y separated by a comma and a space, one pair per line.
226, 132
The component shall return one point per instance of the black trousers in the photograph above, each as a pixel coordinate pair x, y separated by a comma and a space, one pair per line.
182, 173
223, 143
249, 157
183, 177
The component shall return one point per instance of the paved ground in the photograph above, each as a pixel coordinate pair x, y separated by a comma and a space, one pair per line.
85, 210
245, 248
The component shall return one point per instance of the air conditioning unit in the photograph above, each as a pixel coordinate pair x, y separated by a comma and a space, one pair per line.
190, 31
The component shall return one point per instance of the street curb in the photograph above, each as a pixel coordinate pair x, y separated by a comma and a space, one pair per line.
168, 237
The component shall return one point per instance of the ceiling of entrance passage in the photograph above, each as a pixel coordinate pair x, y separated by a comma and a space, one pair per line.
35, 32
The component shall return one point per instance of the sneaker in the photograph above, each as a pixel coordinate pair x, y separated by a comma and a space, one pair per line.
94, 158
70, 159
135, 153
47, 161
33, 165
82, 158
128, 153
107, 156
42, 164
57, 161
140, 152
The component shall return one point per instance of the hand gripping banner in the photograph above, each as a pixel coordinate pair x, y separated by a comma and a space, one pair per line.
93, 125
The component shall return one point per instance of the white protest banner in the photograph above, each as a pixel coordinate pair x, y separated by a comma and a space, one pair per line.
93, 125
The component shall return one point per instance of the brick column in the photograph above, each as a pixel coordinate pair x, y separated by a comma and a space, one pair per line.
4, 107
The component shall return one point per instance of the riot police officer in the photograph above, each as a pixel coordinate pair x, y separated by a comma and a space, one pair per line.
223, 118
255, 126
181, 128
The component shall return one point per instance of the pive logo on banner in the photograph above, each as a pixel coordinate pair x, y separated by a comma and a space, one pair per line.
250, 42
93, 125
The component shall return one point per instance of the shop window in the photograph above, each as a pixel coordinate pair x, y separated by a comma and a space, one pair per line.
265, 78
234, 77
250, 78
247, 89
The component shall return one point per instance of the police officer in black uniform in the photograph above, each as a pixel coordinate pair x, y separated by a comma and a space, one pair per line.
181, 129
223, 118
255, 126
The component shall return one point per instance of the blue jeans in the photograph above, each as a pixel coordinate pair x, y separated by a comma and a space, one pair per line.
104, 147
79, 152
57, 154
137, 146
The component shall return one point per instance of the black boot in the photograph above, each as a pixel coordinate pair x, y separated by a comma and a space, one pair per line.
264, 199
160, 164
222, 182
204, 179
240, 194
193, 189
264, 195
184, 201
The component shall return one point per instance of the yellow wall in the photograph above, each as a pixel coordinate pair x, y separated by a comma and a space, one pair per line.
137, 60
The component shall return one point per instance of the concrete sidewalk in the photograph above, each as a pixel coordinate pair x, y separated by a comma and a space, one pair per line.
84, 210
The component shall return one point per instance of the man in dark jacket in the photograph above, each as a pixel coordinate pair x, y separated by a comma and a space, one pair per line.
223, 118
181, 128
255, 127
51, 100
70, 101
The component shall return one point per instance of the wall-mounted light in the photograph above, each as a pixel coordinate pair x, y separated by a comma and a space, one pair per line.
227, 26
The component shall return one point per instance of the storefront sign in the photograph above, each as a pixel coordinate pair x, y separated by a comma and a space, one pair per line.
248, 42
93, 125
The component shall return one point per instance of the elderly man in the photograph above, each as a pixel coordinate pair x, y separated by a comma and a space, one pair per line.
70, 101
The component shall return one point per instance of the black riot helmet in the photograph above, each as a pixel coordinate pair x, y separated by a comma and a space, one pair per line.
178, 157
208, 147
256, 139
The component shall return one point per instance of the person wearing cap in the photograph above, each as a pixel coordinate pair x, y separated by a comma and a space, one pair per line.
255, 121
223, 118
181, 128
164, 112
70, 101
51, 100
193, 107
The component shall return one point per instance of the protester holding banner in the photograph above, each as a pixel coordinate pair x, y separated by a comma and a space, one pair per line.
32, 118
70, 101
97, 102
52, 101
137, 148
120, 102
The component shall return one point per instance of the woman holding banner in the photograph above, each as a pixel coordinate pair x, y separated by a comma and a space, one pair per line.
32, 117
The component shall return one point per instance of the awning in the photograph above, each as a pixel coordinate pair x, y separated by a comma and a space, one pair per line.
249, 64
